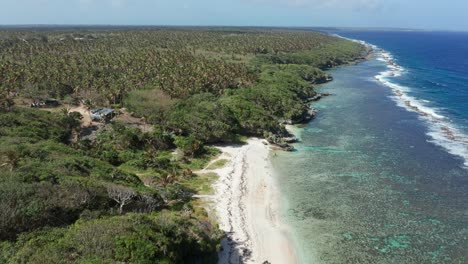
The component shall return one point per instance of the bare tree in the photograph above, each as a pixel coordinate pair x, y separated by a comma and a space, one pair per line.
121, 194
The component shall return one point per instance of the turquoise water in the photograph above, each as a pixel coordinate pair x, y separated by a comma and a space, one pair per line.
368, 185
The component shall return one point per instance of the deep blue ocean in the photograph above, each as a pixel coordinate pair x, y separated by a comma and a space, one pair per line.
380, 176
434, 78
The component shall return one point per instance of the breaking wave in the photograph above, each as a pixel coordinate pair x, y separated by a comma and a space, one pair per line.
441, 130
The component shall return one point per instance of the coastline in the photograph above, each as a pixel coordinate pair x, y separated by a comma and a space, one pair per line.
246, 218
246, 204
246, 200
359, 177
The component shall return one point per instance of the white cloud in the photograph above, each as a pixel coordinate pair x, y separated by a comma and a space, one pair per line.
340, 4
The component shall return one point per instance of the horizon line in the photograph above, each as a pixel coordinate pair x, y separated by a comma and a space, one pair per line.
42, 25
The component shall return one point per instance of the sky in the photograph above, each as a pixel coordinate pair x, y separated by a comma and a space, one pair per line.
417, 14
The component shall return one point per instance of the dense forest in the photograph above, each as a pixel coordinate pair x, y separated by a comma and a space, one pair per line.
76, 191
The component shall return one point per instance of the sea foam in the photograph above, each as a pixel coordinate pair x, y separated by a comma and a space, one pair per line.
441, 130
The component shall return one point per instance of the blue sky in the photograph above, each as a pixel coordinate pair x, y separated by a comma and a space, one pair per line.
424, 14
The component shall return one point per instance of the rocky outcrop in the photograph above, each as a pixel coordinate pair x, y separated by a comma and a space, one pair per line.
323, 79
290, 140
317, 97
306, 117
282, 142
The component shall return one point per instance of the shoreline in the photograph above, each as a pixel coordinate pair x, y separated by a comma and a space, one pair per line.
246, 200
246, 204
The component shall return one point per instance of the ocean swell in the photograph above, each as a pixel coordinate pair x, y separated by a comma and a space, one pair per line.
440, 129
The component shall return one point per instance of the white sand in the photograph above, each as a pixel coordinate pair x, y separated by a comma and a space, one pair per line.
246, 205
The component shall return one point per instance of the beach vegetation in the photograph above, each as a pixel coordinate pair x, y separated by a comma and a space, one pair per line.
218, 164
122, 191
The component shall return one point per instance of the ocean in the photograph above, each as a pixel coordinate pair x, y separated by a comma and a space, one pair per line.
381, 175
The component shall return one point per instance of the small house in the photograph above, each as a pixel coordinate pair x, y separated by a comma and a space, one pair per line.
102, 114
49, 103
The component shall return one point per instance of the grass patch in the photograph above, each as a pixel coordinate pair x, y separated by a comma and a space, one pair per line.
148, 101
202, 183
202, 161
218, 164
240, 139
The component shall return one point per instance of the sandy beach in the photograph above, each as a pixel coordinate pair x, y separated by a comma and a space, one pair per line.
246, 205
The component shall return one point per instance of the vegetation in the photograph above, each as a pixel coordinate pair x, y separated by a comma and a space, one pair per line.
165, 237
126, 193
218, 164
203, 183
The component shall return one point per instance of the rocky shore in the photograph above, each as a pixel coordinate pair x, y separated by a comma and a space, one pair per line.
284, 139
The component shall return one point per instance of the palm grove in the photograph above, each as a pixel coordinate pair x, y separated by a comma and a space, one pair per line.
125, 195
